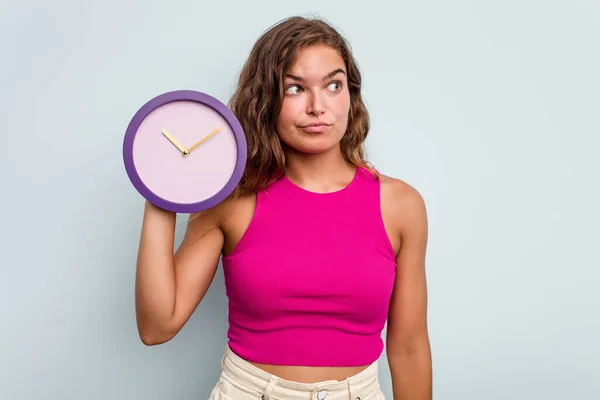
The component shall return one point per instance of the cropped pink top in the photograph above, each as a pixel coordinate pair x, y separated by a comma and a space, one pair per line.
310, 281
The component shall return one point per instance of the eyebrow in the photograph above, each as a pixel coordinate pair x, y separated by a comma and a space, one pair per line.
328, 76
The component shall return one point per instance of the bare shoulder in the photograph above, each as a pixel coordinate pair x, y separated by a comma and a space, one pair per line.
219, 214
403, 209
235, 215
229, 219
401, 194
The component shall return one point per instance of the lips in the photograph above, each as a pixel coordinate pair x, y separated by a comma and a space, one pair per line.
315, 127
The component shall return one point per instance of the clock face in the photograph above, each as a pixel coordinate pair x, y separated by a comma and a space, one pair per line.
184, 151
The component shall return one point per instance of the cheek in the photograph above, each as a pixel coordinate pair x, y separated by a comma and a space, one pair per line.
286, 115
345, 106
340, 106
342, 110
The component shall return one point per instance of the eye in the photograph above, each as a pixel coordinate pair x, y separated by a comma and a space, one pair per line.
294, 89
335, 86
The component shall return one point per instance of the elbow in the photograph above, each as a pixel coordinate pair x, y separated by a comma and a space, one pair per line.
153, 337
153, 340
150, 339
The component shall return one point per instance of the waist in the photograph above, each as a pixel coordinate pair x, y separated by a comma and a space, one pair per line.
310, 374
359, 384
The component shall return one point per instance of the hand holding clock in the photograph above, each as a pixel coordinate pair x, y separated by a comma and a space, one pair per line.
173, 184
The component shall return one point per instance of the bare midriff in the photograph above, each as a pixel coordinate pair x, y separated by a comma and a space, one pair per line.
310, 374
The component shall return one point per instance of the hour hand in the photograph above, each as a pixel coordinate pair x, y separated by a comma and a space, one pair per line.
174, 141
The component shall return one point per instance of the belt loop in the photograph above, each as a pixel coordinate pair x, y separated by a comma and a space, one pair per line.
351, 393
269, 388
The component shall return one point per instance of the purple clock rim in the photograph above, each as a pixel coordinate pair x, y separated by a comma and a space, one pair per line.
185, 95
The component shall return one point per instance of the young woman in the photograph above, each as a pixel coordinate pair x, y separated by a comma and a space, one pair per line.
319, 249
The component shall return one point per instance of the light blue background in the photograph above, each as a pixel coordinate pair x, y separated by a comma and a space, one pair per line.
490, 109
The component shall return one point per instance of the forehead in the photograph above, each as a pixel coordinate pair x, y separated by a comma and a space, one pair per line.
317, 61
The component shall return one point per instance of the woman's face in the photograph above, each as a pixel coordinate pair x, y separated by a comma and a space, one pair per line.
316, 102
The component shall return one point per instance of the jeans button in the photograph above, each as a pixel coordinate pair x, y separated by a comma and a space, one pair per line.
321, 395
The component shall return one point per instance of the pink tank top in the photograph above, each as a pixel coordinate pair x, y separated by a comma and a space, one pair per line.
310, 281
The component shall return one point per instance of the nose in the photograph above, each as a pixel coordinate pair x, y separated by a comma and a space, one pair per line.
316, 105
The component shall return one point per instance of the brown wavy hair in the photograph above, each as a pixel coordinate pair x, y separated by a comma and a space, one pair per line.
257, 99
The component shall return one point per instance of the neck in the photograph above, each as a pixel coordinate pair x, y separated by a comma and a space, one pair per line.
322, 172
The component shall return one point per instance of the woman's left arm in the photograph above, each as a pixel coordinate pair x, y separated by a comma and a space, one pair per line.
407, 342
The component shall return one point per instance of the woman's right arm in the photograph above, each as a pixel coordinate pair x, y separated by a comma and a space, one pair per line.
170, 285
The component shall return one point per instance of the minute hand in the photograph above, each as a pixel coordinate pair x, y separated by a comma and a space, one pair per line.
203, 139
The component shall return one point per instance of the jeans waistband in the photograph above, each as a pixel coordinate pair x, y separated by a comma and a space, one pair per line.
354, 387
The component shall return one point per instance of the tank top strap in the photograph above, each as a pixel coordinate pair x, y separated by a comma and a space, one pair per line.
368, 192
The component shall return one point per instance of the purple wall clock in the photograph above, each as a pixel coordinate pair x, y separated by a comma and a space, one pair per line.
184, 151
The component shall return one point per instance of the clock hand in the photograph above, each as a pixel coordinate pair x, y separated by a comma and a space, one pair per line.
204, 139
175, 142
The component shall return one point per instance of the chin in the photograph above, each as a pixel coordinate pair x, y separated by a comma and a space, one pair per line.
312, 149
314, 145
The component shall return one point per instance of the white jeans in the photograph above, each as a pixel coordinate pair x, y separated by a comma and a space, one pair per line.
241, 380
